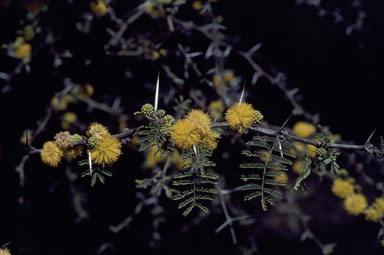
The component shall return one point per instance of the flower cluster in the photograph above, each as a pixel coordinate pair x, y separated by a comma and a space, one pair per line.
194, 129
104, 148
53, 151
354, 203
240, 117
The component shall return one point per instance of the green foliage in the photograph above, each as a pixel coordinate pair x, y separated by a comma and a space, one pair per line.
196, 181
97, 172
158, 129
304, 174
325, 156
275, 160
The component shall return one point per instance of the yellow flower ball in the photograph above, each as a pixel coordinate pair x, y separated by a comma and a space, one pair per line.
210, 140
68, 119
376, 211
229, 77
97, 131
303, 129
342, 188
355, 204
197, 5
200, 120
216, 109
240, 117
51, 154
5, 252
296, 167
23, 51
177, 160
217, 81
73, 152
185, 134
153, 157
107, 151
283, 177
99, 8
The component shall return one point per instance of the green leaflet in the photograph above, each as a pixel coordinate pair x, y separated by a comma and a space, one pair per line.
270, 159
197, 181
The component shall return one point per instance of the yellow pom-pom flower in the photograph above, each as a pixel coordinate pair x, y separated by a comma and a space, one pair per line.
197, 5
51, 154
99, 8
210, 140
296, 167
59, 104
376, 211
107, 151
5, 252
73, 152
97, 131
23, 51
185, 134
68, 119
241, 116
153, 157
200, 120
355, 204
303, 129
216, 109
342, 188
283, 177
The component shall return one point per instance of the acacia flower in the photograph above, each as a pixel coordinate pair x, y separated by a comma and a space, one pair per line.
355, 204
99, 8
296, 167
282, 177
67, 119
210, 140
51, 154
200, 120
5, 252
107, 151
153, 157
73, 152
23, 51
376, 211
241, 116
216, 109
97, 131
185, 134
63, 140
342, 188
303, 129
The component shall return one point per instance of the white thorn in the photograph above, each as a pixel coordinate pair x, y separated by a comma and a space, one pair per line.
242, 95
90, 163
157, 92
194, 148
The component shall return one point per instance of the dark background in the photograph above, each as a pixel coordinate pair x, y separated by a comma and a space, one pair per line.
340, 77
